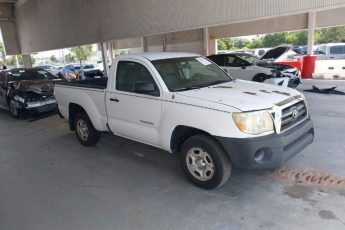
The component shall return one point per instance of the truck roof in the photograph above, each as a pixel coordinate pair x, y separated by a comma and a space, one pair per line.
162, 55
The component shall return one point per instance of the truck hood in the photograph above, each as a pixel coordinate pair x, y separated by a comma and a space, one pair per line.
243, 95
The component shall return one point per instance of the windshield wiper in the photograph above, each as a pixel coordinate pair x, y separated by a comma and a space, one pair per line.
186, 88
213, 83
201, 85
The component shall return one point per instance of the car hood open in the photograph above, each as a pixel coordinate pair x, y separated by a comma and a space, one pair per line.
243, 95
42, 87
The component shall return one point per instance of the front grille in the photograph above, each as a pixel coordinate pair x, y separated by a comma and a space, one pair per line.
293, 115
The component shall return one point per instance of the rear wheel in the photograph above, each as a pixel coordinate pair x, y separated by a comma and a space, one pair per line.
205, 162
84, 130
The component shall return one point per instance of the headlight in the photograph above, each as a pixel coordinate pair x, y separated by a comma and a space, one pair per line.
19, 98
254, 122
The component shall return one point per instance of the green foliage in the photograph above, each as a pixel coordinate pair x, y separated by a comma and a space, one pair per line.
232, 43
297, 38
69, 58
11, 61
82, 52
53, 59
330, 34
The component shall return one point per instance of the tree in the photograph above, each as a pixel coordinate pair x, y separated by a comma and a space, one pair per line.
53, 59
69, 58
331, 34
12, 60
82, 52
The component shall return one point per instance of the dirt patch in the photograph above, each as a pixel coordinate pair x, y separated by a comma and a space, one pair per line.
327, 215
222, 87
283, 93
298, 192
250, 93
308, 177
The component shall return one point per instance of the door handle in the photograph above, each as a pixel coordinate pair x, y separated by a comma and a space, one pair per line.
114, 100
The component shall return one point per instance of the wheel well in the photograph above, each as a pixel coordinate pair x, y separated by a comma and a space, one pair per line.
182, 133
73, 109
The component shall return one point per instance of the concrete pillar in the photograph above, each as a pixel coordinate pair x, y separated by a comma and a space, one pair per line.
206, 41
27, 61
110, 53
144, 44
311, 30
103, 47
212, 46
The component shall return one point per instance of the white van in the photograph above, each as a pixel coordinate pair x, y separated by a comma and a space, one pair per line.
330, 51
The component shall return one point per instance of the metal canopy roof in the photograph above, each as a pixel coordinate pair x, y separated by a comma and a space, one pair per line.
52, 24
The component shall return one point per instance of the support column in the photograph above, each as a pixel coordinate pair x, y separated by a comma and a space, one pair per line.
311, 30
103, 47
212, 46
206, 41
27, 61
144, 44
110, 51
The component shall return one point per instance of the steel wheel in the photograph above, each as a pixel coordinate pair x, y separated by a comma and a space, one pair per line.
82, 129
200, 164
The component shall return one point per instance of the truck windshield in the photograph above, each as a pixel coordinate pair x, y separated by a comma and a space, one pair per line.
188, 73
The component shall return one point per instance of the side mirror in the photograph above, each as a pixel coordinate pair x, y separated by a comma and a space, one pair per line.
148, 88
244, 66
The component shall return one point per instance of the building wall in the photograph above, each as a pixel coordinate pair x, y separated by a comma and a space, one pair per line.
52, 24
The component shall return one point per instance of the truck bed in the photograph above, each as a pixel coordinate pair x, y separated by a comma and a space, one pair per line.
97, 83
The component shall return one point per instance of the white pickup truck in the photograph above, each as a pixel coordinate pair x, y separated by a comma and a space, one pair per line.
184, 103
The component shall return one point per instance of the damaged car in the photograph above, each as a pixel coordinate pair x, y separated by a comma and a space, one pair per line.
249, 67
27, 90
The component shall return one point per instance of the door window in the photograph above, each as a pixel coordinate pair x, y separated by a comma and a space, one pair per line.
337, 50
233, 61
135, 78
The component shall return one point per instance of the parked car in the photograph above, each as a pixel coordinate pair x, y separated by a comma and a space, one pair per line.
252, 68
330, 51
73, 72
260, 51
184, 103
50, 68
27, 89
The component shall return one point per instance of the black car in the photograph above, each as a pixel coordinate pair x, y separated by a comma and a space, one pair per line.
27, 89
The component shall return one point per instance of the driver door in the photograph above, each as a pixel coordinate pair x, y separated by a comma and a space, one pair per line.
134, 105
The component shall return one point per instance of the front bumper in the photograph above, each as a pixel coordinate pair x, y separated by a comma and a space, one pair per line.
42, 106
270, 151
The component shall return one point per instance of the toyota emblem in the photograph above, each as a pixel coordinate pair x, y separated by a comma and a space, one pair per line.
294, 113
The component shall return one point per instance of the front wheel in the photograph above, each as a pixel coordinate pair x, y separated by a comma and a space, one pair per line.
13, 107
84, 130
205, 162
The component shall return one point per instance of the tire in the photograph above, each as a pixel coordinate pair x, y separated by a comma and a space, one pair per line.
260, 77
205, 162
14, 111
84, 130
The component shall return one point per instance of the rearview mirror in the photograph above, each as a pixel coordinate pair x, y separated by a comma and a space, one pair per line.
148, 88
